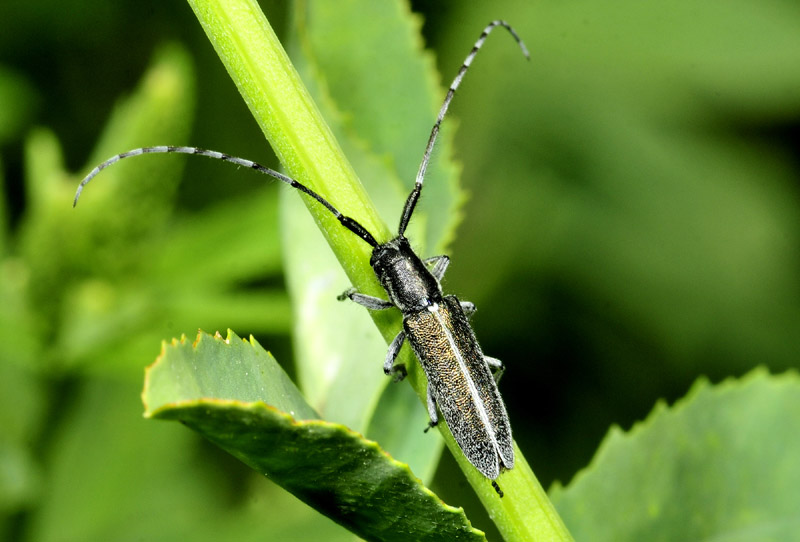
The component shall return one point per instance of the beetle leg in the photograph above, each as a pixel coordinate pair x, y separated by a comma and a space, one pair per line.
468, 307
431, 411
440, 264
497, 488
398, 371
497, 367
368, 301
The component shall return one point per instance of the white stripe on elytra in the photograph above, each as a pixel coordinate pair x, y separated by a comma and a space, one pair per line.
473, 390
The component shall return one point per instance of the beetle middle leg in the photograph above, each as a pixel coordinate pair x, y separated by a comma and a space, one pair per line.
496, 366
368, 301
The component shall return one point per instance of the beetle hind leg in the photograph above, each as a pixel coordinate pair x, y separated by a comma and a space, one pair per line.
431, 411
497, 488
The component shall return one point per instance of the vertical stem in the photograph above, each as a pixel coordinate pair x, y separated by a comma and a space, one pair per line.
259, 66
280, 103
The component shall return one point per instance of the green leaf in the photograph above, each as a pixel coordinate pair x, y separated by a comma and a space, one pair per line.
112, 475
717, 465
19, 329
22, 410
5, 219
141, 191
234, 393
19, 100
214, 367
155, 278
239, 229
58, 244
373, 67
132, 200
641, 164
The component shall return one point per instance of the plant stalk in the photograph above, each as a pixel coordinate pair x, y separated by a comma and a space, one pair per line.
280, 103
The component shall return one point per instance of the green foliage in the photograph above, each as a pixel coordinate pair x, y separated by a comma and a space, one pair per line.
87, 295
718, 464
268, 81
272, 429
632, 224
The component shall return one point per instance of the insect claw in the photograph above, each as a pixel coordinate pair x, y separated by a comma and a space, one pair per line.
497, 488
346, 294
398, 372
430, 424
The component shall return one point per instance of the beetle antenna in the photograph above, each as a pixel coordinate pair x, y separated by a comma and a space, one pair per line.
346, 221
411, 202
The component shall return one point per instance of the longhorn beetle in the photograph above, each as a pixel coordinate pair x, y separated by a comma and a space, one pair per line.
460, 379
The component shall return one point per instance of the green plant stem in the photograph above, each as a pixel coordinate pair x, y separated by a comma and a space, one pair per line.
284, 110
259, 66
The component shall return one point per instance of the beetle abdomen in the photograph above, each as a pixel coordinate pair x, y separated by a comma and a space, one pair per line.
462, 384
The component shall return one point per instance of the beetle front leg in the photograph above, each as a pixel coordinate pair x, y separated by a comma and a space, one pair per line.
440, 264
368, 301
468, 307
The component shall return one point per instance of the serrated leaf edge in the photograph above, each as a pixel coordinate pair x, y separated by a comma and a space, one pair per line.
616, 434
256, 406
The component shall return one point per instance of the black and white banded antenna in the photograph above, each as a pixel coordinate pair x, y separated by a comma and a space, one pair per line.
349, 223
461, 380
345, 221
413, 197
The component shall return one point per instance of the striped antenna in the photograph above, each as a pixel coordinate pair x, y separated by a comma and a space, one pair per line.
411, 202
346, 221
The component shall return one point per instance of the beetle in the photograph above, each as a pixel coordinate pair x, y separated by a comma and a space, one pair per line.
462, 381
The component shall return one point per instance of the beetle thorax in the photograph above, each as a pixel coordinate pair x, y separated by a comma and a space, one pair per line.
404, 276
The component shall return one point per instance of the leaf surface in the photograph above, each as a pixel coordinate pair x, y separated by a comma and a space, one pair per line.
716, 466
233, 393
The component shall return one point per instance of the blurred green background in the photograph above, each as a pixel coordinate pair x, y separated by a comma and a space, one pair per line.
633, 223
